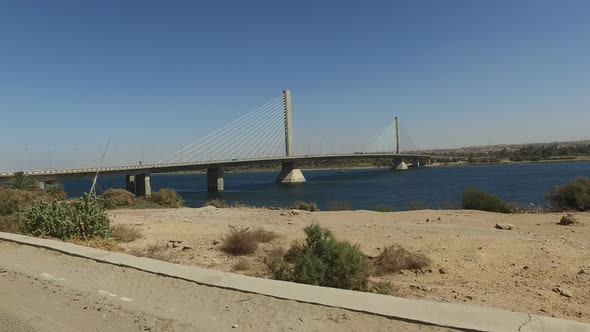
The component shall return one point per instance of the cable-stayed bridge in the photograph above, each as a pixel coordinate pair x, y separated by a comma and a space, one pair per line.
278, 132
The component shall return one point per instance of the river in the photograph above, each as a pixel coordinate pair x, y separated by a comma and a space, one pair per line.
432, 187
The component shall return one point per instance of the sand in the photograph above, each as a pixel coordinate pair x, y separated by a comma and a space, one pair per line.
473, 262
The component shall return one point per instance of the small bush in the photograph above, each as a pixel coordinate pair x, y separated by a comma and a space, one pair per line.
117, 198
475, 199
84, 220
218, 203
56, 191
312, 207
167, 198
125, 233
15, 200
239, 242
323, 261
572, 196
396, 258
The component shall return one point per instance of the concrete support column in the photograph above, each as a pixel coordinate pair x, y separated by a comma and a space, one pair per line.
399, 164
290, 174
416, 162
130, 183
41, 185
143, 186
214, 179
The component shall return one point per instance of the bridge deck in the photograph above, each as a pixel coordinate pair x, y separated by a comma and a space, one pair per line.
200, 165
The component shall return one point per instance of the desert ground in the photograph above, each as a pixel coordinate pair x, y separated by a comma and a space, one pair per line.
537, 267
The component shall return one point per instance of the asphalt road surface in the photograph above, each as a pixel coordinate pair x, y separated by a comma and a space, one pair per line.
43, 290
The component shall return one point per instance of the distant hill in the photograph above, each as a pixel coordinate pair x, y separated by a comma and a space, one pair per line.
479, 149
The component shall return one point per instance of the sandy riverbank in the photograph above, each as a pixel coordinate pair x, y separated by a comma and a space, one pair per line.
512, 269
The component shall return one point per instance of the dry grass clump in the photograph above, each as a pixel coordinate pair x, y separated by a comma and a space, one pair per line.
9, 224
382, 287
117, 198
167, 198
125, 233
218, 203
243, 241
239, 242
396, 258
98, 243
154, 251
312, 207
15, 200
242, 264
263, 236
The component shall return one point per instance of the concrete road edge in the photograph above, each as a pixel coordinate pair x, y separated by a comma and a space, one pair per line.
452, 315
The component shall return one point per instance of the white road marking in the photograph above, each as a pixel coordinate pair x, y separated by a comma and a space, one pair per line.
126, 299
107, 293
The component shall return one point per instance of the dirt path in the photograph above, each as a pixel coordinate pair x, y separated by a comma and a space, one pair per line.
515, 269
42, 290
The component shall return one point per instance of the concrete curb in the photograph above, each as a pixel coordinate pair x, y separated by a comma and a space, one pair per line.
452, 315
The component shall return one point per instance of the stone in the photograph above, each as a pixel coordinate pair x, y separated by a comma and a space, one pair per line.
582, 271
505, 227
568, 219
565, 292
215, 242
295, 212
283, 214
235, 326
442, 270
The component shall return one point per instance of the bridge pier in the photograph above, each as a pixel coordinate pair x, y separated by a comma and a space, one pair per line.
399, 164
290, 174
130, 183
215, 179
416, 162
143, 185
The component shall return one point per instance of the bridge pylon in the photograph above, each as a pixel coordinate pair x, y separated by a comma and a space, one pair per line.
289, 171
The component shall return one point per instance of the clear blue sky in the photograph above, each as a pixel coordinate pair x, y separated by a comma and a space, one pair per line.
159, 74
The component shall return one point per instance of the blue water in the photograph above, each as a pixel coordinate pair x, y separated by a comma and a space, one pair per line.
436, 187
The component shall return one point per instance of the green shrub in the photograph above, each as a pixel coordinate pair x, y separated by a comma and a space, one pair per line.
323, 261
84, 219
475, 199
306, 206
56, 191
396, 258
14, 200
218, 203
167, 198
22, 181
572, 196
117, 198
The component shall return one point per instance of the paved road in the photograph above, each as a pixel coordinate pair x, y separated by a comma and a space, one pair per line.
43, 290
